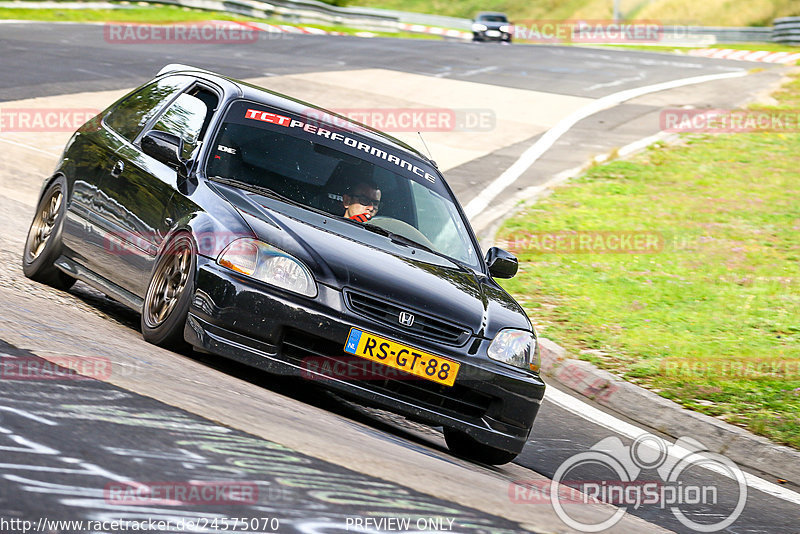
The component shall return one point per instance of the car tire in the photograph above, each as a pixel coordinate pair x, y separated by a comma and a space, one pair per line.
43, 244
166, 303
465, 446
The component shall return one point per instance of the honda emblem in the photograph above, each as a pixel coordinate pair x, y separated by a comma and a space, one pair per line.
405, 319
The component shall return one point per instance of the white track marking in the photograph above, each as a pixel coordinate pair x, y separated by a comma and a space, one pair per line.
535, 151
29, 147
601, 418
483, 70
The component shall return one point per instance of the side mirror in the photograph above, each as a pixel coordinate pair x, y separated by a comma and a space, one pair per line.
502, 264
164, 147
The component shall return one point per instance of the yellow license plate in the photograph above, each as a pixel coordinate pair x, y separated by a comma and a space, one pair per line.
403, 357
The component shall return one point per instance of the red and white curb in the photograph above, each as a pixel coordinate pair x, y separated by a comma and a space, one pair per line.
747, 55
279, 28
434, 30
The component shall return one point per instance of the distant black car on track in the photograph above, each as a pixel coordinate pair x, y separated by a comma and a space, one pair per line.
491, 26
215, 209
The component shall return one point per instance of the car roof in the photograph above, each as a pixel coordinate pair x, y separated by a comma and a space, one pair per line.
487, 13
292, 105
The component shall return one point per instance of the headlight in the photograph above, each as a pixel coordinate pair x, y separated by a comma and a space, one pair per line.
479, 27
516, 347
505, 28
268, 264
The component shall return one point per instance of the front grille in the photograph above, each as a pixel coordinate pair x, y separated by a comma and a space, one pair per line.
424, 325
456, 400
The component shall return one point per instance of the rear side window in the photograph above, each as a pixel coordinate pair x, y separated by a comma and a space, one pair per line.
131, 114
184, 117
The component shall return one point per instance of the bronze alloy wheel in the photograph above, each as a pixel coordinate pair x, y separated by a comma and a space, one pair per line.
43, 244
43, 224
168, 283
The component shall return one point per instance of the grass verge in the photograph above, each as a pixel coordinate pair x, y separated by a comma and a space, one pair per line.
163, 14
711, 317
768, 47
160, 14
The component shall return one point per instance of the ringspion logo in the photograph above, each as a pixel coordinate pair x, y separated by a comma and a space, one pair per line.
651, 472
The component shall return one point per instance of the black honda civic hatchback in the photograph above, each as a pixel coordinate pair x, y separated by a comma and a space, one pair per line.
253, 226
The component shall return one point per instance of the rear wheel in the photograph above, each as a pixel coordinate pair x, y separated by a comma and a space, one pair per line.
463, 445
166, 304
43, 244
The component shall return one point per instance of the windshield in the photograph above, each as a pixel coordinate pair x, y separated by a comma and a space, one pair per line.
337, 171
492, 18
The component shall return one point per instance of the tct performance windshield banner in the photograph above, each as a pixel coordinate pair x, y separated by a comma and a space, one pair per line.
334, 137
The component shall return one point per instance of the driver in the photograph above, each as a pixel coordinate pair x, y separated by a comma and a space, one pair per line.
361, 201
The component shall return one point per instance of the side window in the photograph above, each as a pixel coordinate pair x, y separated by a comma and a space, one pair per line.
185, 117
130, 115
437, 219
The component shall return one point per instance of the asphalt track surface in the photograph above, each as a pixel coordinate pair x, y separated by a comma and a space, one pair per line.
64, 441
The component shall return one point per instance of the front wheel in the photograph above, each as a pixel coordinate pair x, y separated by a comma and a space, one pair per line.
463, 445
166, 304
43, 244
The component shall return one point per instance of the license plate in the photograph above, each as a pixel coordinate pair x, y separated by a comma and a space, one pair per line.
403, 357
493, 33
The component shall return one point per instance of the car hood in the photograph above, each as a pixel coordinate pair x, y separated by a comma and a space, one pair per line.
493, 25
346, 256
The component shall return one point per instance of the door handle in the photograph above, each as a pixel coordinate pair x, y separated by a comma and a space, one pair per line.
119, 166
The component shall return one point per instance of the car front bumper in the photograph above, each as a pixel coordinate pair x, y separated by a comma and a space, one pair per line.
491, 35
281, 333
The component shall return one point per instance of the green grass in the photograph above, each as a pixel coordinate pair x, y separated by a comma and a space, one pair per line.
146, 14
769, 47
517, 9
709, 12
722, 295
162, 14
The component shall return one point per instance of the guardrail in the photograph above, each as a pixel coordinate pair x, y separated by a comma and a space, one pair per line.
787, 30
299, 11
733, 35
423, 19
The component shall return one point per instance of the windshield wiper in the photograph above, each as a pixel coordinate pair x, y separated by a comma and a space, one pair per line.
253, 188
397, 238
407, 241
